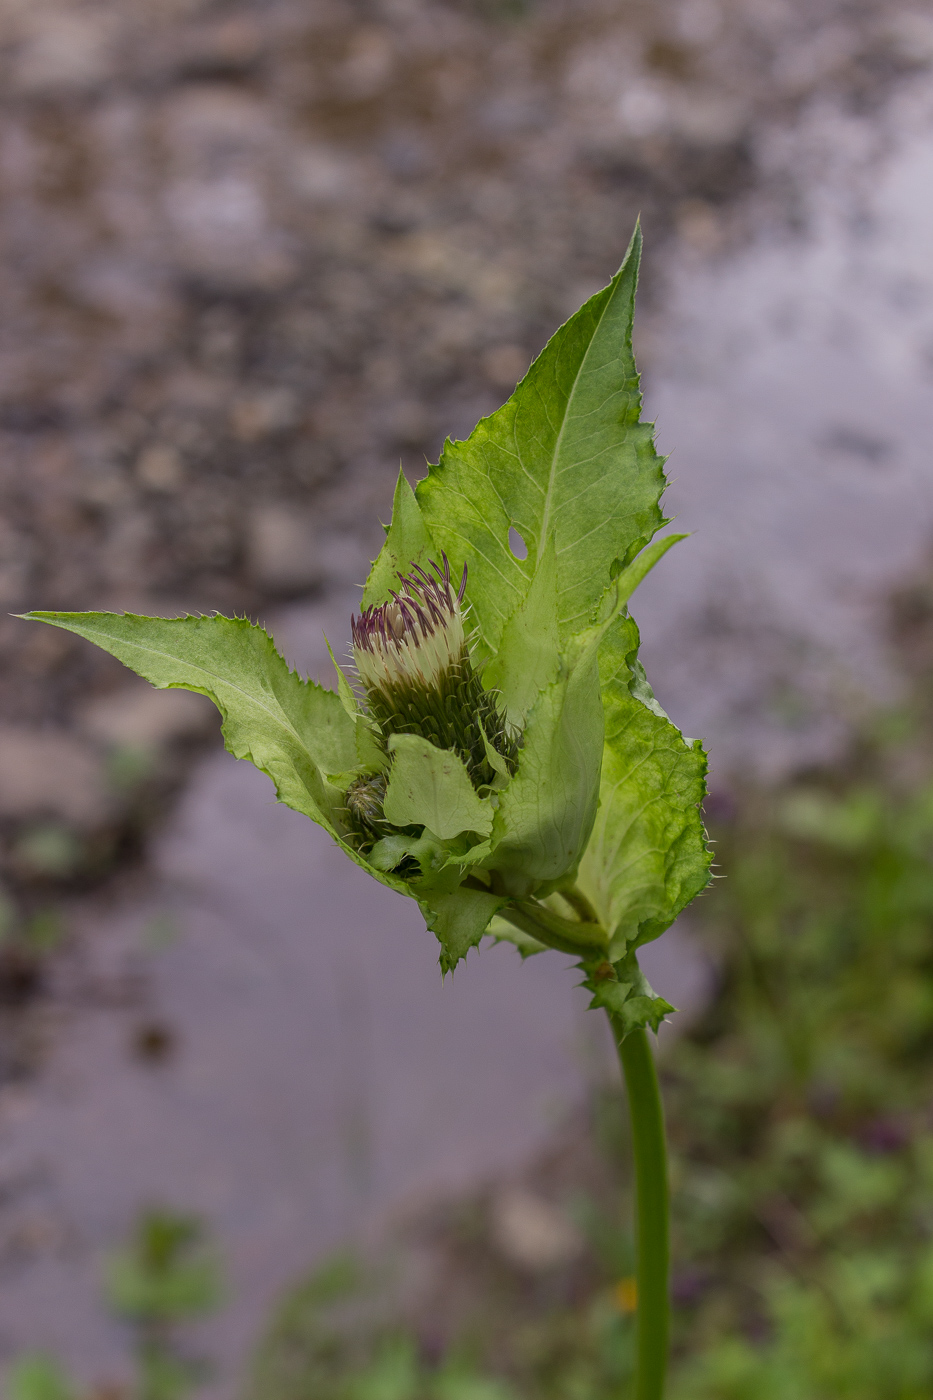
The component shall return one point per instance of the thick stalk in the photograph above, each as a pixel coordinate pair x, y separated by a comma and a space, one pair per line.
651, 1208
566, 935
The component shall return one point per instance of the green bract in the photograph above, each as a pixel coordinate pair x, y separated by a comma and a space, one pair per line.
536, 791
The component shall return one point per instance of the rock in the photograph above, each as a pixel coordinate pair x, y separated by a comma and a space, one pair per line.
47, 773
140, 717
367, 68
263, 413
160, 468
532, 1233
699, 226
15, 563
226, 49
410, 422
65, 53
344, 559
644, 108
323, 175
219, 148
504, 365
282, 549
911, 35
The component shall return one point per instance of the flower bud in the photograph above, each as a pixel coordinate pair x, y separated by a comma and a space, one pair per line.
363, 812
412, 656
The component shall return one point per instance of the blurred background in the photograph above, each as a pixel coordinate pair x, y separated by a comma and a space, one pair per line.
254, 253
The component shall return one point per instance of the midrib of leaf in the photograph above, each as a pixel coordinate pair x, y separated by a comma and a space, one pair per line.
546, 517
567, 458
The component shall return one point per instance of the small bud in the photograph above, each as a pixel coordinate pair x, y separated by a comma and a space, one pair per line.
363, 812
412, 656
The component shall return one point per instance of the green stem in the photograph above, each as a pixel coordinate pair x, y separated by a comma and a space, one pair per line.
651, 1206
581, 940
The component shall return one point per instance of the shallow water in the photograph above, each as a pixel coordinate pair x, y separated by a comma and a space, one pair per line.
792, 383
323, 1074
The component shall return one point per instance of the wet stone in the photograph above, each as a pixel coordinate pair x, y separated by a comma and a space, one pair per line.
139, 716
532, 1233
282, 547
47, 773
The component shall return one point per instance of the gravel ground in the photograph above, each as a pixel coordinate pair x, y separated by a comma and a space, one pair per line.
253, 254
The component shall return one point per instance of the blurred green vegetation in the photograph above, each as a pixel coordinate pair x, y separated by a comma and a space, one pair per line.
800, 1108
163, 1276
38, 1378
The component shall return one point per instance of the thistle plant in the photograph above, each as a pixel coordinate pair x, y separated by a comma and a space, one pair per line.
495, 751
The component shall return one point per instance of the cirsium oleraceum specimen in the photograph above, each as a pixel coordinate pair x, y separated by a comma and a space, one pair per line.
498, 755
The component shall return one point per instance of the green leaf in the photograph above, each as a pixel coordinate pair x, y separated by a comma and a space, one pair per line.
369, 752
529, 650
630, 1001
390, 851
344, 689
497, 763
613, 603
164, 1376
408, 542
184, 1291
293, 730
430, 787
458, 920
566, 458
503, 932
647, 856
442, 863
546, 813
38, 1378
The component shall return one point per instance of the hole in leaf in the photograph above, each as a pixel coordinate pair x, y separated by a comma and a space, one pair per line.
517, 545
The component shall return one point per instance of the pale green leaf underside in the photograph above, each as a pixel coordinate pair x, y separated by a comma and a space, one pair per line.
369, 753
344, 689
430, 787
390, 851
529, 649
647, 856
565, 459
546, 813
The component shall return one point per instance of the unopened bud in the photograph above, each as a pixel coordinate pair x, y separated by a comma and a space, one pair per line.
412, 656
364, 817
